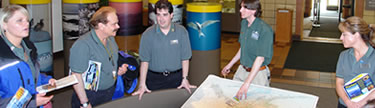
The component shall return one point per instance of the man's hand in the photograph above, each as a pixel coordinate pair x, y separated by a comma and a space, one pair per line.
122, 70
242, 93
185, 84
141, 90
226, 70
42, 99
89, 106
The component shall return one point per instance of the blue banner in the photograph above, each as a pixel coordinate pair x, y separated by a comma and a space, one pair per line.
204, 30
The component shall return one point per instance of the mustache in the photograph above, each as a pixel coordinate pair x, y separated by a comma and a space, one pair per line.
115, 30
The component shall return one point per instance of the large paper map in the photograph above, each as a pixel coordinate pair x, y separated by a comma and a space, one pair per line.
214, 92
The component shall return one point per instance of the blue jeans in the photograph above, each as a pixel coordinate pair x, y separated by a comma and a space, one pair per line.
95, 98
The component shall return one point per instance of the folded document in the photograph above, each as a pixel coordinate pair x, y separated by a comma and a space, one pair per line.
61, 83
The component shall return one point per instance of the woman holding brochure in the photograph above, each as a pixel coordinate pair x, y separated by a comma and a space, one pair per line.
358, 36
19, 69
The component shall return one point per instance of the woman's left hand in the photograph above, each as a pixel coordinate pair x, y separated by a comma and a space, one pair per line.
52, 82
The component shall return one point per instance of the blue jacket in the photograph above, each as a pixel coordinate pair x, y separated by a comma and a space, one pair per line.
15, 73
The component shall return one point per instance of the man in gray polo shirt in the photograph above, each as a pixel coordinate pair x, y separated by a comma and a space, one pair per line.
97, 45
164, 52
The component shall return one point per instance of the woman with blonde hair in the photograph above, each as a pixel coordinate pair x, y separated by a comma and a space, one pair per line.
358, 37
18, 60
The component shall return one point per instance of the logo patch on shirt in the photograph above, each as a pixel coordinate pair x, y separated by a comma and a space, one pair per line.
174, 42
255, 35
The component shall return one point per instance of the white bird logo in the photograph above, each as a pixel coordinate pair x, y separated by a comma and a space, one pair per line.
199, 27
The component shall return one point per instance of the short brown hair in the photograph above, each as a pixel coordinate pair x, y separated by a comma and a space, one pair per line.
100, 16
164, 4
253, 5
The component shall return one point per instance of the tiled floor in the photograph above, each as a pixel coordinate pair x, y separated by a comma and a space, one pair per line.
279, 74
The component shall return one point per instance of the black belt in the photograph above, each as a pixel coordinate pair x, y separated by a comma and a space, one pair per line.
166, 73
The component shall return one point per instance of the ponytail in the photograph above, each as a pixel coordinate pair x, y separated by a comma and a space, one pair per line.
372, 34
356, 24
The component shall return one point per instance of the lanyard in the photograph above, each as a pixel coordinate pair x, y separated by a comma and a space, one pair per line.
110, 54
111, 58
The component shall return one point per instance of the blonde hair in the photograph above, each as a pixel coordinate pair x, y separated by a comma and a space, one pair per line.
7, 12
356, 24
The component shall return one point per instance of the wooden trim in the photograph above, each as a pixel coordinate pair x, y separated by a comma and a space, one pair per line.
345, 11
359, 5
299, 17
59, 54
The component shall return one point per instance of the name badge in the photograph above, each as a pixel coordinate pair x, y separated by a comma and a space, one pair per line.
362, 65
365, 66
255, 35
114, 74
174, 42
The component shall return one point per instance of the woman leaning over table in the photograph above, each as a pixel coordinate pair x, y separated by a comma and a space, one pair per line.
359, 58
18, 63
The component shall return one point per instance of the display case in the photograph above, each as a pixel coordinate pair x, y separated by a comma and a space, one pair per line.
229, 6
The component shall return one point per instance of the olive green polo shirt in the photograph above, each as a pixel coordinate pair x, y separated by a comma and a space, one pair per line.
348, 67
89, 47
165, 52
19, 52
256, 40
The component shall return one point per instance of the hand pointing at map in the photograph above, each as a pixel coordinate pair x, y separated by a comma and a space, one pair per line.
242, 93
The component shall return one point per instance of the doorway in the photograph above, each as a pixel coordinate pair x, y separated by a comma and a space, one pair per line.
321, 24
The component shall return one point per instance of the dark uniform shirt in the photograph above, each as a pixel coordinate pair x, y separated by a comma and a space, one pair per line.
165, 52
256, 40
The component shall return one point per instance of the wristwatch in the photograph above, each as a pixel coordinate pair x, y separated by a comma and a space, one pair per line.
86, 104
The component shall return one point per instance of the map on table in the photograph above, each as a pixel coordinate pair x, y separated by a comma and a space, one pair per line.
216, 92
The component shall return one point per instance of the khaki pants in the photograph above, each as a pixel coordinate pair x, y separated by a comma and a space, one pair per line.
262, 78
